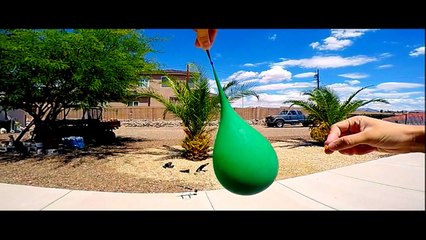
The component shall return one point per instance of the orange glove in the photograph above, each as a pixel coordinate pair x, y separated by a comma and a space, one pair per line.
205, 38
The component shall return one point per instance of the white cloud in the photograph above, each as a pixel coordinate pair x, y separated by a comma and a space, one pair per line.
270, 100
398, 103
389, 86
217, 55
352, 82
289, 91
385, 55
396, 95
242, 75
249, 65
389, 91
349, 33
275, 74
331, 43
343, 90
339, 39
385, 66
354, 75
327, 61
390, 42
314, 45
212, 85
283, 86
304, 75
254, 64
273, 37
417, 52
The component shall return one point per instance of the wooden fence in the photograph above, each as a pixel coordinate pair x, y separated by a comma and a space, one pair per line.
156, 113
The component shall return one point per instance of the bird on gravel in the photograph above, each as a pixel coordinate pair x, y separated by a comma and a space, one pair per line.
168, 165
201, 168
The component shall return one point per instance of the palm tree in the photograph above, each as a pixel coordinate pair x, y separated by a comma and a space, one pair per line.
325, 109
196, 107
235, 90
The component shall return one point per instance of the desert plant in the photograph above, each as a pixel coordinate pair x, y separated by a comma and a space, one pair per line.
196, 107
325, 108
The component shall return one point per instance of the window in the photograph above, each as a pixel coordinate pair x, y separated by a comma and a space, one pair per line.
173, 99
144, 82
145, 101
165, 81
292, 112
133, 104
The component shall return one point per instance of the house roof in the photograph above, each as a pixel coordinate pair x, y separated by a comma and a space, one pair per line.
175, 72
408, 118
168, 72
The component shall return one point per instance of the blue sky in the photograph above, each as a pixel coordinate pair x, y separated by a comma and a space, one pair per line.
282, 62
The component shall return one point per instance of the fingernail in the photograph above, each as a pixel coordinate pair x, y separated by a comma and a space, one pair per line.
327, 149
331, 146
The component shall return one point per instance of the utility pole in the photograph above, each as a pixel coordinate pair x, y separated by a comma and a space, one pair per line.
317, 78
187, 72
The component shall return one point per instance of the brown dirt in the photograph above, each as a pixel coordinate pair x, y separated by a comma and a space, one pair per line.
135, 163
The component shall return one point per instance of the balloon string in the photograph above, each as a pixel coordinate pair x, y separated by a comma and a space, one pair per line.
216, 78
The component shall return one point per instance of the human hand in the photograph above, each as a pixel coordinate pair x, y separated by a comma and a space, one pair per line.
360, 135
205, 38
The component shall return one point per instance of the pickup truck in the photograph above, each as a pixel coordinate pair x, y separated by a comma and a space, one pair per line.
287, 117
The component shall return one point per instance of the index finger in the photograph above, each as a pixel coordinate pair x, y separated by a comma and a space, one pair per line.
334, 134
342, 128
338, 130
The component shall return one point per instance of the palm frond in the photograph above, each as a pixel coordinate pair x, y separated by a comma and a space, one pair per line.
353, 95
235, 90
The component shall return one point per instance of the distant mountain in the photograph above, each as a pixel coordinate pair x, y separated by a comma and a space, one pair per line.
367, 110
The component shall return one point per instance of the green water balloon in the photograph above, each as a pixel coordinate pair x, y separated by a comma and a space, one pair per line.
244, 161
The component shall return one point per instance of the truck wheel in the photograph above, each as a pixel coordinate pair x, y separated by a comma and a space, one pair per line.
270, 124
279, 123
305, 124
106, 137
109, 136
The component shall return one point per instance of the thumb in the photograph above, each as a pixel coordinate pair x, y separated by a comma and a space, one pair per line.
203, 39
346, 142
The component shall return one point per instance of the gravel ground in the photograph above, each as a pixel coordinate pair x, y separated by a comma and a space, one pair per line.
135, 163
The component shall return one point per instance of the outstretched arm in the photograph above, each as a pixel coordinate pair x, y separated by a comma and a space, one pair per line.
361, 135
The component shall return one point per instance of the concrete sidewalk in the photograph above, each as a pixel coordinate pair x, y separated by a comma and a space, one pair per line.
392, 183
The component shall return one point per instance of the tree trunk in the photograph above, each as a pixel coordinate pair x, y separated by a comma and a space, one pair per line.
26, 129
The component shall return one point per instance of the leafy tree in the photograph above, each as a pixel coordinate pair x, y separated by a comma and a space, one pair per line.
325, 109
196, 107
44, 71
